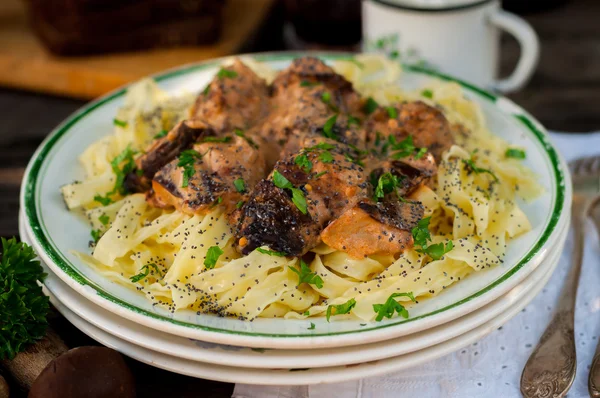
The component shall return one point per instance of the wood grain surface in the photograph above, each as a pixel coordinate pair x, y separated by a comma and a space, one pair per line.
564, 94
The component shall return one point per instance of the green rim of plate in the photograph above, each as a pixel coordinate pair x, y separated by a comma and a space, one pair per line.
31, 198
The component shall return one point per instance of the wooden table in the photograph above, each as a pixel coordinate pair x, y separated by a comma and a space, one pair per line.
564, 94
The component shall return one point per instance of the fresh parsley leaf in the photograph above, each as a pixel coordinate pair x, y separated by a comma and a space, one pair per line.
249, 140
144, 272
320, 174
303, 162
427, 94
125, 158
104, 219
391, 306
392, 112
299, 200
420, 233
280, 181
103, 200
23, 305
438, 250
306, 83
394, 54
206, 89
326, 97
120, 123
326, 157
306, 313
217, 139
370, 106
239, 185
353, 120
328, 128
305, 275
226, 73
340, 309
404, 148
271, 252
312, 326
515, 153
354, 159
186, 160
239, 204
96, 234
213, 254
420, 153
163, 133
322, 145
387, 183
472, 167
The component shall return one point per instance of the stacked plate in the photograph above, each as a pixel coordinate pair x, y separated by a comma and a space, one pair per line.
278, 351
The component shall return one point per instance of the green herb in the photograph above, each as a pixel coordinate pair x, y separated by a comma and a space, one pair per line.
104, 219
387, 183
218, 201
163, 133
326, 97
394, 54
312, 326
306, 83
515, 153
370, 106
340, 308
139, 172
103, 200
239, 204
323, 145
354, 159
328, 128
297, 195
471, 167
392, 112
239, 185
427, 93
96, 234
216, 139
213, 254
420, 232
249, 140
420, 153
391, 306
326, 157
120, 123
437, 250
404, 148
353, 120
271, 252
144, 272
186, 160
226, 73
23, 305
306, 313
303, 162
125, 157
356, 62
320, 174
305, 275
206, 89
378, 138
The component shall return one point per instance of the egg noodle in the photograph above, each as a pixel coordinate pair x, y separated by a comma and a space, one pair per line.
161, 252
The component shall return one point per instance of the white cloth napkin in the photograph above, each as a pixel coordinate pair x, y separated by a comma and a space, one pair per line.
492, 366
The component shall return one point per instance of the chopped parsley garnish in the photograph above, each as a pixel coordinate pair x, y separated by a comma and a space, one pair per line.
303, 162
312, 326
213, 254
305, 275
353, 120
104, 219
320, 174
515, 153
217, 139
378, 138
306, 313
472, 168
120, 173
306, 83
163, 133
340, 309
226, 73
404, 148
239, 204
326, 157
371, 106
271, 252
420, 153
392, 112
249, 140
144, 272
187, 159
120, 123
387, 183
427, 94
297, 195
394, 54
391, 306
328, 128
239, 185
354, 159
206, 89
323, 145
421, 236
96, 234
326, 97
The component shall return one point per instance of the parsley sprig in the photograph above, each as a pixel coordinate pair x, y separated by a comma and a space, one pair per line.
391, 306
144, 272
217, 139
226, 73
271, 252
250, 141
212, 256
23, 305
298, 197
305, 275
186, 160
328, 128
515, 153
239, 185
472, 167
340, 309
163, 133
386, 183
370, 106
125, 158
405, 148
421, 236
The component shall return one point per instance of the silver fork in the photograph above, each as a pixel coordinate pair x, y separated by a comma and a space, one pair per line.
551, 368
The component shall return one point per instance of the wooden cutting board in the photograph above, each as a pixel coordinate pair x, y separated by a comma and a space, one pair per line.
25, 63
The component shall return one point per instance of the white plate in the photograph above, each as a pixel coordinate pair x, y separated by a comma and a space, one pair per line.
56, 231
302, 376
259, 358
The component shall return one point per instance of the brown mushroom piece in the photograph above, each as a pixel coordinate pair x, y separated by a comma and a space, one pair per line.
90, 372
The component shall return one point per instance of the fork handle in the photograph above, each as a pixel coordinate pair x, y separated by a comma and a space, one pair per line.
550, 370
594, 377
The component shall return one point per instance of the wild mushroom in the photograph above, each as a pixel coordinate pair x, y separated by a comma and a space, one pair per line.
34, 355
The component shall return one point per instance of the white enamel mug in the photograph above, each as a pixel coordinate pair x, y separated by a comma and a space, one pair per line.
458, 37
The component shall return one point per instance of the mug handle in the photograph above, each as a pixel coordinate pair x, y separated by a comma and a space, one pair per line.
530, 50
